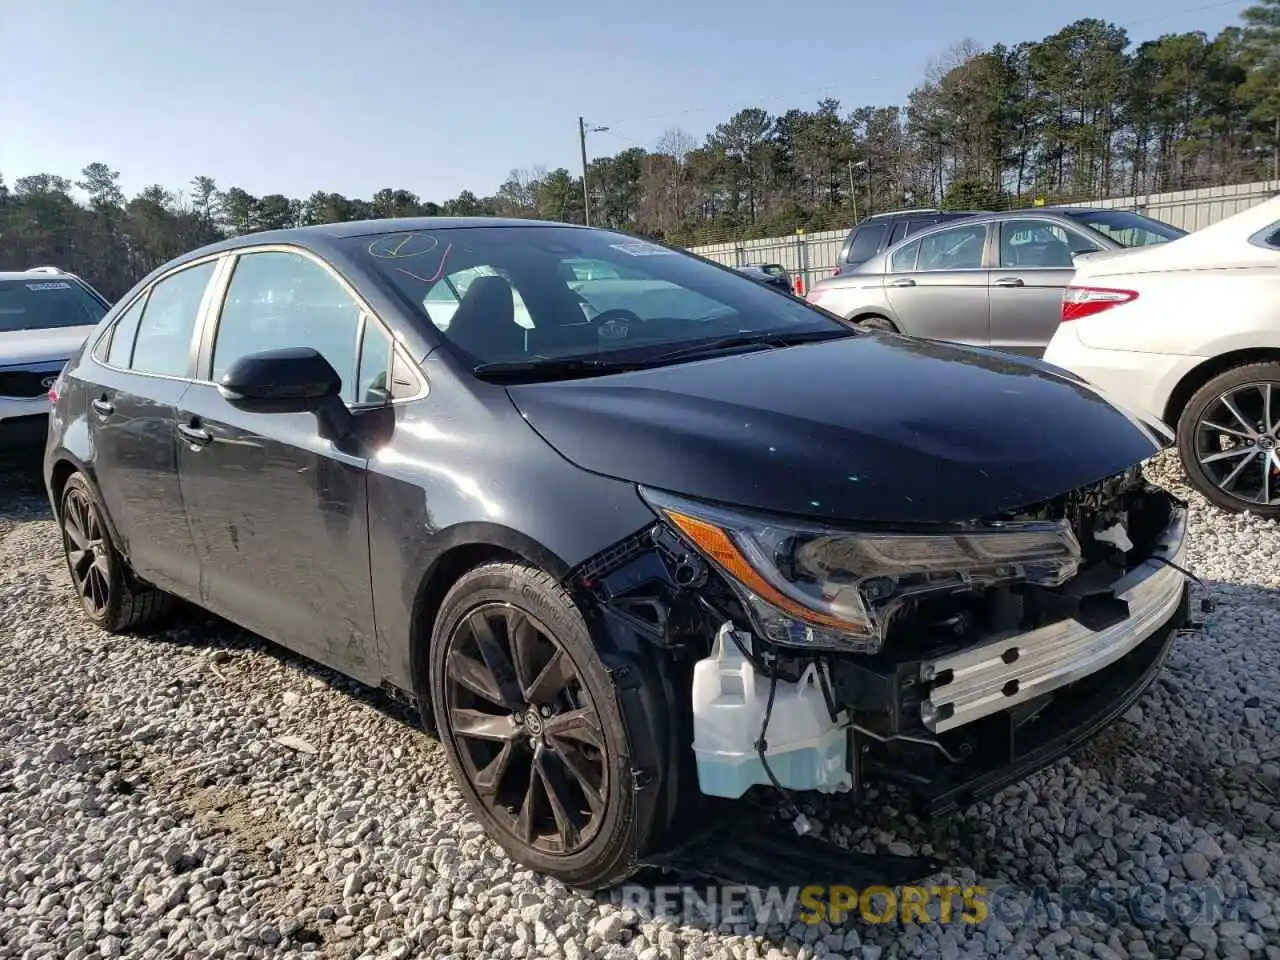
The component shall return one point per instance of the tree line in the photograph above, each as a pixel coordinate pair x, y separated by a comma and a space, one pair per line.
1081, 114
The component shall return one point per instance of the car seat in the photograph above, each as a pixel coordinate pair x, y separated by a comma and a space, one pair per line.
484, 325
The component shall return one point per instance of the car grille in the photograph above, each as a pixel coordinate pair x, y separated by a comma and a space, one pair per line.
26, 384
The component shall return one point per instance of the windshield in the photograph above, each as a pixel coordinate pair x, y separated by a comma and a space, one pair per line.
37, 304
1125, 228
548, 294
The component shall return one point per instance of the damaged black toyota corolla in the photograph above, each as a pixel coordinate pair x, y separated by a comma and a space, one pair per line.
633, 531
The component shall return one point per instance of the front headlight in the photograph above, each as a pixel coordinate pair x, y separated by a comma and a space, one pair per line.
810, 585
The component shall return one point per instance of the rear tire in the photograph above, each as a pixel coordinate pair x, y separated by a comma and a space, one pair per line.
540, 738
878, 323
1229, 440
110, 593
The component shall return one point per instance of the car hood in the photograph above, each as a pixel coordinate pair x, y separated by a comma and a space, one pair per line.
875, 427
41, 346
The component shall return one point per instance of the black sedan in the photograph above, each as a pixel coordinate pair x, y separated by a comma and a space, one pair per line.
591, 522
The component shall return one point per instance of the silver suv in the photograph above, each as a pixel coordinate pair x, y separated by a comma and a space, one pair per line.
990, 280
45, 315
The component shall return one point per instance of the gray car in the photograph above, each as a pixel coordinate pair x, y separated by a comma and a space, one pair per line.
991, 280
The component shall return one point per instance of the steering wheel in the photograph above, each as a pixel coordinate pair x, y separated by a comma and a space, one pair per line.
615, 324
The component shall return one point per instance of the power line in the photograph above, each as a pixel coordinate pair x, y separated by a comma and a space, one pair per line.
1174, 13
835, 90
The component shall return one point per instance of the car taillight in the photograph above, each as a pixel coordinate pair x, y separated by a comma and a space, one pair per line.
53, 393
1080, 302
836, 272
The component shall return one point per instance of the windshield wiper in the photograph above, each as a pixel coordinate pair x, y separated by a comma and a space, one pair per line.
762, 340
563, 368
550, 368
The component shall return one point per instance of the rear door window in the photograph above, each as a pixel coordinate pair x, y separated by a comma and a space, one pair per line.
959, 248
44, 303
867, 241
163, 344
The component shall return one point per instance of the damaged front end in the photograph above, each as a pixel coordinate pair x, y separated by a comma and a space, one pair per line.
951, 661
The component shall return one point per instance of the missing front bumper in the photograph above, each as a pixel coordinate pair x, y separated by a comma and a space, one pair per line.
1003, 673
1018, 745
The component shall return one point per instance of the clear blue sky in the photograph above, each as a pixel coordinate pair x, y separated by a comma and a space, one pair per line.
292, 96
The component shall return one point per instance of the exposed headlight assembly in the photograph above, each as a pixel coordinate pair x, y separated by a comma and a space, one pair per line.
814, 586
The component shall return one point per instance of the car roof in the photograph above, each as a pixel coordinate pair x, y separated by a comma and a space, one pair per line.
36, 272
1031, 212
920, 211
1058, 211
322, 234
891, 215
371, 228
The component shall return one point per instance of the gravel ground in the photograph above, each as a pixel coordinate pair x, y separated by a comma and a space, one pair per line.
197, 792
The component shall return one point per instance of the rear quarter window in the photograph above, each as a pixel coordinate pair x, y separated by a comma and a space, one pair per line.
867, 241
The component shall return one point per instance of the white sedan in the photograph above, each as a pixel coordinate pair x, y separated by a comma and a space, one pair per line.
1190, 331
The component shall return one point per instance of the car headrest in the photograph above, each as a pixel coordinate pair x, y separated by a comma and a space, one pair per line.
484, 324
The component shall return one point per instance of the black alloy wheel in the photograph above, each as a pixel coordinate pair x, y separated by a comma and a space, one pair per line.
567, 772
110, 593
525, 729
88, 552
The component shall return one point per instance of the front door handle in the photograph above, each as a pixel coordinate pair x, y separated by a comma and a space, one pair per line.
1009, 282
103, 406
902, 282
196, 436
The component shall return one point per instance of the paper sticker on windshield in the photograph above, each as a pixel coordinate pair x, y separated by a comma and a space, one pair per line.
641, 249
50, 285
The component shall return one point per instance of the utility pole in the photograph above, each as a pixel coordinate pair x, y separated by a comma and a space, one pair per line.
586, 190
853, 194
870, 203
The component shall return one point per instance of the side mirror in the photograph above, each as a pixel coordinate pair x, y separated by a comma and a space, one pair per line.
289, 380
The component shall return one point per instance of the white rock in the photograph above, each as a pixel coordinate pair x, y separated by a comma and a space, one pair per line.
164, 763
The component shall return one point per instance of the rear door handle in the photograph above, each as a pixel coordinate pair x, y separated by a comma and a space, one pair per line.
1009, 282
196, 436
103, 407
902, 282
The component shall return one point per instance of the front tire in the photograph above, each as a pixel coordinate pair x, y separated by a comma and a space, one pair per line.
110, 595
1229, 440
531, 722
